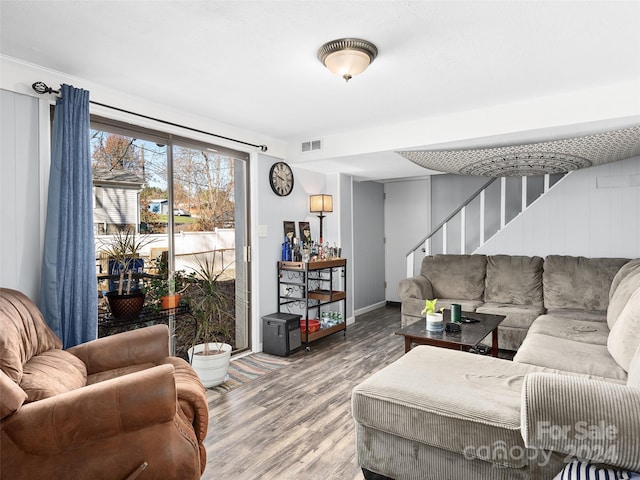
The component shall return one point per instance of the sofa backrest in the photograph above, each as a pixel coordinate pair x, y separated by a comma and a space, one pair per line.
578, 282
513, 279
456, 276
23, 333
624, 337
626, 281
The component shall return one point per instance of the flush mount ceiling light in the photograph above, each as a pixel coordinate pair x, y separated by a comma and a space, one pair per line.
347, 57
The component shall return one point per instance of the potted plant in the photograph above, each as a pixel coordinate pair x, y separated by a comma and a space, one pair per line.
123, 250
210, 358
165, 291
434, 319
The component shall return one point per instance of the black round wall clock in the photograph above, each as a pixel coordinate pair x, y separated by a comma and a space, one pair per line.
281, 179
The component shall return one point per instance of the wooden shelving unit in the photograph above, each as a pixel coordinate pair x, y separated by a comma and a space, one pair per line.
311, 288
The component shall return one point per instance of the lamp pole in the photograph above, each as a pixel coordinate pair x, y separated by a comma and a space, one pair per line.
321, 217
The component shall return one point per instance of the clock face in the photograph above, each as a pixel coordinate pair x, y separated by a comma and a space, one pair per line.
281, 179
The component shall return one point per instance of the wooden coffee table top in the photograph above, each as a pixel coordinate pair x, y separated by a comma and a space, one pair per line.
470, 335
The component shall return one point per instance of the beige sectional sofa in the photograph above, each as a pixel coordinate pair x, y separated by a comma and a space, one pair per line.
572, 389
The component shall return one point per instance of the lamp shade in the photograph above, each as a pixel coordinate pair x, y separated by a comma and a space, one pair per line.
320, 203
347, 62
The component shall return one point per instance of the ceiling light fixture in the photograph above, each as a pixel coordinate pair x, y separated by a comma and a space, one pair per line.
347, 57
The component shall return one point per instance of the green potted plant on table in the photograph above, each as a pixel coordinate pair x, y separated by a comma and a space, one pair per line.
434, 319
165, 290
209, 307
123, 251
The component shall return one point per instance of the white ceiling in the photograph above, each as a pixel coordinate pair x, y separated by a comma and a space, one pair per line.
253, 65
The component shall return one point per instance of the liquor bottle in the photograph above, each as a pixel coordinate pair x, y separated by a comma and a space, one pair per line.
289, 250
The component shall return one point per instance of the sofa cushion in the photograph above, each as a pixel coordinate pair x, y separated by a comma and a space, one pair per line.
11, 396
414, 307
571, 329
517, 316
514, 279
566, 355
456, 276
51, 373
475, 400
117, 372
626, 281
513, 329
579, 314
24, 333
579, 282
624, 338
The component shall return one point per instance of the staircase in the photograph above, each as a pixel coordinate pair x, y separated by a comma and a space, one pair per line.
484, 214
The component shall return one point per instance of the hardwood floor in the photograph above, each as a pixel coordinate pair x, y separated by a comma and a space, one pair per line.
295, 422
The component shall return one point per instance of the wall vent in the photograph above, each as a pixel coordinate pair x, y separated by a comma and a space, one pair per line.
311, 145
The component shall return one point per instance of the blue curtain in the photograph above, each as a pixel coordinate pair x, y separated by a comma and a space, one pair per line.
69, 300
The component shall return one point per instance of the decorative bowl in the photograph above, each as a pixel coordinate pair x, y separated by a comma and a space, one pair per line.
314, 325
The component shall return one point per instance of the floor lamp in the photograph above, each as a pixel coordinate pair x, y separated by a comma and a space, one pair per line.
321, 204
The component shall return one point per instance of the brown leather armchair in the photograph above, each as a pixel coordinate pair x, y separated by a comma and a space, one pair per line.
118, 407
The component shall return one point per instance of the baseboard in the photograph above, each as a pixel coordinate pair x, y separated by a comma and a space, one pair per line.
369, 308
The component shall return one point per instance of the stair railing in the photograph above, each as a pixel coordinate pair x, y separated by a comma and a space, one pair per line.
426, 243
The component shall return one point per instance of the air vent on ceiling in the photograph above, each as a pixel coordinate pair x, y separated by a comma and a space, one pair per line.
311, 145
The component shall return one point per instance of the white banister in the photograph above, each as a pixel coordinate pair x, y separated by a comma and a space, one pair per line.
503, 202
410, 260
482, 199
463, 233
444, 238
523, 206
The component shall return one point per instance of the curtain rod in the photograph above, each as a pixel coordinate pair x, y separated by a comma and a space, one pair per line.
42, 88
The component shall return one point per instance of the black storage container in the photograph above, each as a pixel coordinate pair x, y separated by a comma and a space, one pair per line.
281, 333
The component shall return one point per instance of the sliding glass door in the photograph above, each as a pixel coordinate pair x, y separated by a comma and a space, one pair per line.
186, 203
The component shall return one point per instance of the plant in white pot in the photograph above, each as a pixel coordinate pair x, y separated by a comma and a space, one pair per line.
208, 302
434, 319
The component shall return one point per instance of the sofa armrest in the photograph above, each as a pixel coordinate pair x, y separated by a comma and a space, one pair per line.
415, 287
589, 419
145, 345
90, 414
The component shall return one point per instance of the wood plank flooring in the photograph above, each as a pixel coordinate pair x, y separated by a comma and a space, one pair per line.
295, 422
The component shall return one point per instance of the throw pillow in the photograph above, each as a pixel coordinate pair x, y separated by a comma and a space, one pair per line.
624, 337
51, 373
578, 470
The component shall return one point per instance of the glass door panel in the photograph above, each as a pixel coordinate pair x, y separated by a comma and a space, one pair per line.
186, 203
209, 195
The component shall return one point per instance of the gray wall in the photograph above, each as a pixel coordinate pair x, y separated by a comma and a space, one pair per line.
368, 236
448, 192
407, 216
22, 206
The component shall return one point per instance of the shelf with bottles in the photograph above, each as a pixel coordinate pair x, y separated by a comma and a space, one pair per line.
294, 252
316, 290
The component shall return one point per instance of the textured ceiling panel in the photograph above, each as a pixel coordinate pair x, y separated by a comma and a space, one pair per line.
557, 156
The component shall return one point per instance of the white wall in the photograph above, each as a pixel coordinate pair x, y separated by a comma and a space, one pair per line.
407, 213
577, 217
271, 210
23, 179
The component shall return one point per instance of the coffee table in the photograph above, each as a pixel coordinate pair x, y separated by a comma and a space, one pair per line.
470, 335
